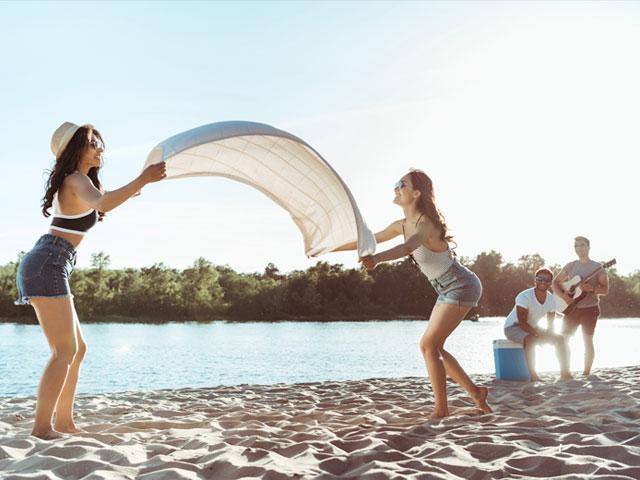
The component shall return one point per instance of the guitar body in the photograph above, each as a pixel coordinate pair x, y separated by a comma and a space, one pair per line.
572, 288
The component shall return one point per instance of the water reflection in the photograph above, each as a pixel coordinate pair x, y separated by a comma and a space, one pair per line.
146, 357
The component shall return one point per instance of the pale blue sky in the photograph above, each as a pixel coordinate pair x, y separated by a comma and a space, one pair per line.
510, 107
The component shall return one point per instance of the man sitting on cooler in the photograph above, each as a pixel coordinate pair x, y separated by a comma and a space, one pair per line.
521, 325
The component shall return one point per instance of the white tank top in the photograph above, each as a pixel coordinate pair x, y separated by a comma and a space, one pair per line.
432, 264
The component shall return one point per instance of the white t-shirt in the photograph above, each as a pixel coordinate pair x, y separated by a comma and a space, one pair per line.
535, 310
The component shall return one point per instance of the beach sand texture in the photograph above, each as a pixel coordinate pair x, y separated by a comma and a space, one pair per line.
369, 429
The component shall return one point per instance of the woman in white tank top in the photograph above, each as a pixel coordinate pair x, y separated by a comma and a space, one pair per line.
459, 289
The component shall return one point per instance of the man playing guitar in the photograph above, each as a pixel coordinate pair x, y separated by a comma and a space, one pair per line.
588, 309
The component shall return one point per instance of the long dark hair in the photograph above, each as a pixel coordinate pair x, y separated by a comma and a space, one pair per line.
67, 163
427, 203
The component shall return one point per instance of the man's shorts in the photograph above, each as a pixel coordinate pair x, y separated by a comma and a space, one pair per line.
587, 317
515, 334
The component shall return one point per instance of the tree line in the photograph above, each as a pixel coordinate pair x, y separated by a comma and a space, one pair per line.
325, 291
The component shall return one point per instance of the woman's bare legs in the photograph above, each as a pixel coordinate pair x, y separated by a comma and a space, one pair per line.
57, 321
64, 409
444, 320
455, 372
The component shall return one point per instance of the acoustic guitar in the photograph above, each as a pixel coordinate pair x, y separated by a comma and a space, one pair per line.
572, 288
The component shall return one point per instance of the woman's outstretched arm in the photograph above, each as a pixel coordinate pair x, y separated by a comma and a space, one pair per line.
106, 201
399, 251
388, 233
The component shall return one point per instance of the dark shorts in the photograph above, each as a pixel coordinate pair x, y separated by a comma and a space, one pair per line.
45, 270
458, 286
587, 317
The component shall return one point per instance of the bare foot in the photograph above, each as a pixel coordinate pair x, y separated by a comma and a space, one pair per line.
535, 378
566, 376
48, 435
467, 411
69, 428
436, 415
480, 399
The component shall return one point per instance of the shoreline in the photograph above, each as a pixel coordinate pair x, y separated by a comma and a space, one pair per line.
150, 320
317, 318
375, 428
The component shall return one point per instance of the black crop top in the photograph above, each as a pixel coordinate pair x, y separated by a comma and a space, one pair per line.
78, 224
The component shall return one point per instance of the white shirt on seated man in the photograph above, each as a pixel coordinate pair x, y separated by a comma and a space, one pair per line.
521, 325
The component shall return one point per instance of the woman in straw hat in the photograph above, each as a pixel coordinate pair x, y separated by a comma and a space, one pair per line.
426, 241
79, 201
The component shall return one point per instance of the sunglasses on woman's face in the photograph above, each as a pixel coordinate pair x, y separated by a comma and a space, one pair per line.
399, 184
543, 279
96, 144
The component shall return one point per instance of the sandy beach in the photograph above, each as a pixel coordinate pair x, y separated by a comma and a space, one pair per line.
357, 429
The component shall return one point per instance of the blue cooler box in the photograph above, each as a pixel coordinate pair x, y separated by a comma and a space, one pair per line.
511, 364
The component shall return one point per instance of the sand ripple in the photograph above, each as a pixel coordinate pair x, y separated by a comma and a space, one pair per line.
372, 429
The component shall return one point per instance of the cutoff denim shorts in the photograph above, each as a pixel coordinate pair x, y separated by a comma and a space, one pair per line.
45, 270
458, 286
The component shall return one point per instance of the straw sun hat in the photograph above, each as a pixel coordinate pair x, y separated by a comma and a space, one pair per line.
62, 136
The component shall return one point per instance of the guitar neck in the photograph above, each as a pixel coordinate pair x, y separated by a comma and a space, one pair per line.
597, 270
591, 276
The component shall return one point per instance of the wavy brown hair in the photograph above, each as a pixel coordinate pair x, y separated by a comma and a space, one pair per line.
67, 163
427, 203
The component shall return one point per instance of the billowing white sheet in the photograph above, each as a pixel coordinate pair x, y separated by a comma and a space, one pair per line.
280, 165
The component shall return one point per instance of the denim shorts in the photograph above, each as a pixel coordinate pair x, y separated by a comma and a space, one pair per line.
45, 270
458, 286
